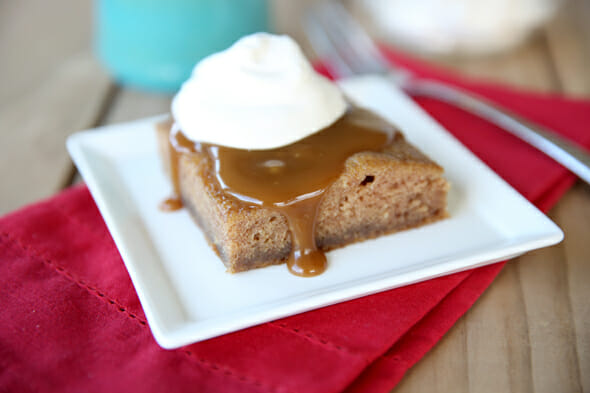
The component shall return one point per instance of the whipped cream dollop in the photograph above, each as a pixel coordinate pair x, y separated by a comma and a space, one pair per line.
261, 93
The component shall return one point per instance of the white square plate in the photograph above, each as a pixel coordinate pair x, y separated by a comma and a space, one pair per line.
186, 294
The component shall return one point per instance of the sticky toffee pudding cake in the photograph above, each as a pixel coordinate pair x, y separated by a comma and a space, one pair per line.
356, 180
276, 167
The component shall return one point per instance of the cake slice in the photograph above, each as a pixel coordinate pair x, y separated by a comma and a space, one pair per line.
376, 194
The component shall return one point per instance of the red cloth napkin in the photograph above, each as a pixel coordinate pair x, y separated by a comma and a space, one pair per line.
70, 320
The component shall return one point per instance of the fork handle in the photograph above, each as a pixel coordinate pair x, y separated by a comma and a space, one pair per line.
561, 150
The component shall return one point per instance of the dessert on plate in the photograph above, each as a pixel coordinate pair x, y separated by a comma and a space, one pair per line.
276, 166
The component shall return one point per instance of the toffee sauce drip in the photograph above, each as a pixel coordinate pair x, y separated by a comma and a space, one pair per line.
171, 204
291, 179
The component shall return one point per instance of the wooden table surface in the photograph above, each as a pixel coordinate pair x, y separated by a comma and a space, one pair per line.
529, 332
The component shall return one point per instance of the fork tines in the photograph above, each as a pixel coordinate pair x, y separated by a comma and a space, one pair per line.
337, 37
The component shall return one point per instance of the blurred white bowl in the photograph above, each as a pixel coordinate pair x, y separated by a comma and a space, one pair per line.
458, 26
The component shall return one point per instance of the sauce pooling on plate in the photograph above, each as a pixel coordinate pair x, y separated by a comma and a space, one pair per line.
291, 179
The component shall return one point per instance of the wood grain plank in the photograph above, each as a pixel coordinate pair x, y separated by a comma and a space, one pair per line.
497, 340
35, 38
573, 215
36, 126
527, 66
568, 36
551, 332
51, 87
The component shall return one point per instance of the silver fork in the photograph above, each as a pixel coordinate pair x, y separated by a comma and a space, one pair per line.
338, 38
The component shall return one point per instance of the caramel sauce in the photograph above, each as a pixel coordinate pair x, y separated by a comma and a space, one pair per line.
291, 179
171, 204
177, 145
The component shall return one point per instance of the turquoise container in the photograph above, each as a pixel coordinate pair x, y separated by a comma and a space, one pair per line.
154, 44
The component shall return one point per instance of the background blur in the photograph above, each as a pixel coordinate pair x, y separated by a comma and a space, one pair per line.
53, 85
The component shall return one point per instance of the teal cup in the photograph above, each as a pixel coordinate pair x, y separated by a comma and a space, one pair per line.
154, 44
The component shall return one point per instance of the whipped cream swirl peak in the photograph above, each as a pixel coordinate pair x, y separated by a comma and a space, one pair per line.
261, 93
